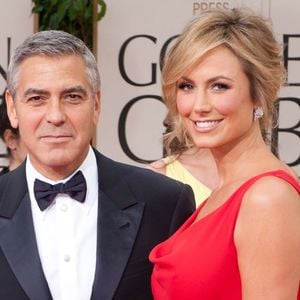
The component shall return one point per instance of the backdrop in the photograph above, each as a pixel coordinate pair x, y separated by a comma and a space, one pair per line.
132, 38
16, 23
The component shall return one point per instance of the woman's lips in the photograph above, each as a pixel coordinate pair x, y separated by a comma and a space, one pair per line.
207, 125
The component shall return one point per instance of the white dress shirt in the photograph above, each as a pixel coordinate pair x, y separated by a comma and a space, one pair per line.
66, 234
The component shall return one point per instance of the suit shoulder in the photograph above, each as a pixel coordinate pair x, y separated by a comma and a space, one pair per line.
154, 189
140, 174
4, 181
14, 180
115, 171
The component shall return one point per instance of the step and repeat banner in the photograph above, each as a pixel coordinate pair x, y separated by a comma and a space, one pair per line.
133, 38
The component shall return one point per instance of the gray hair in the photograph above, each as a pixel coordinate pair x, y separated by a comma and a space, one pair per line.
52, 43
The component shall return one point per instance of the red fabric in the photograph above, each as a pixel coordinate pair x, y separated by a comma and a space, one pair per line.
200, 261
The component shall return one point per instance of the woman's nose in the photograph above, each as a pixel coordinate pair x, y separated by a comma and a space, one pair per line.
201, 102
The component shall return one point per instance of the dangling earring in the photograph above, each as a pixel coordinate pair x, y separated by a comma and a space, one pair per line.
258, 113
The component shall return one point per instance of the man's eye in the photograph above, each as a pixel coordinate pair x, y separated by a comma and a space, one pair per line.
35, 98
73, 97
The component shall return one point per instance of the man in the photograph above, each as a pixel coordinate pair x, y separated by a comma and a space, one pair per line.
62, 241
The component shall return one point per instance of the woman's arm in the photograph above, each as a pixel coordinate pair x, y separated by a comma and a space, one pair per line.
267, 238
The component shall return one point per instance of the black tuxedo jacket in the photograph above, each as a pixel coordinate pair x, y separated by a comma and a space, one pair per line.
137, 209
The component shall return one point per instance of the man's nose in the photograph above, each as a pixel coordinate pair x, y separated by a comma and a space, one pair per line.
55, 112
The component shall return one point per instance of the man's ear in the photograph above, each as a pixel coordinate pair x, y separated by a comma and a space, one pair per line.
11, 109
97, 107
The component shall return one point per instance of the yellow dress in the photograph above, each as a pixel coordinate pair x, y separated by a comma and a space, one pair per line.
175, 170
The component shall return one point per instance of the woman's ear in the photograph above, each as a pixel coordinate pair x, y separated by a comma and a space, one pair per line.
10, 139
11, 109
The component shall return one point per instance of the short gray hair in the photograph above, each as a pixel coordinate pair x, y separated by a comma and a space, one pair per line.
52, 43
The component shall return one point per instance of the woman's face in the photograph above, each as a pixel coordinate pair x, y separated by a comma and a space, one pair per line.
214, 100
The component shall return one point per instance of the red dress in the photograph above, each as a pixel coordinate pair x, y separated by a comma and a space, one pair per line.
200, 261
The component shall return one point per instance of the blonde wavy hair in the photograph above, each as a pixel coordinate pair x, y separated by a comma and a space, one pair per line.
250, 37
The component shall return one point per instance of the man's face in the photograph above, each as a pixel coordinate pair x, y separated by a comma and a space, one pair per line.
55, 111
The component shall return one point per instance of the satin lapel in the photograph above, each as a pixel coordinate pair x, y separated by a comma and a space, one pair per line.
17, 241
119, 218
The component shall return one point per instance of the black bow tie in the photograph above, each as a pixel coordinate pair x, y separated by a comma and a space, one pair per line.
45, 192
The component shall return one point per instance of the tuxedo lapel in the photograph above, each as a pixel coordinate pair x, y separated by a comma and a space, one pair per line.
17, 240
119, 218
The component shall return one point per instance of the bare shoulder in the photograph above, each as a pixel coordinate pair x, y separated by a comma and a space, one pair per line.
267, 238
270, 197
270, 208
272, 191
158, 166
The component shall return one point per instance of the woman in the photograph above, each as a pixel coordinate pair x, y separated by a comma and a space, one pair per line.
191, 165
220, 83
16, 151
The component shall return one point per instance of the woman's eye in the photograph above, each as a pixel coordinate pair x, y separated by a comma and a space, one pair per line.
220, 86
185, 86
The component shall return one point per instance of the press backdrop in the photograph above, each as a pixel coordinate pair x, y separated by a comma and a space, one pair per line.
132, 39
16, 23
